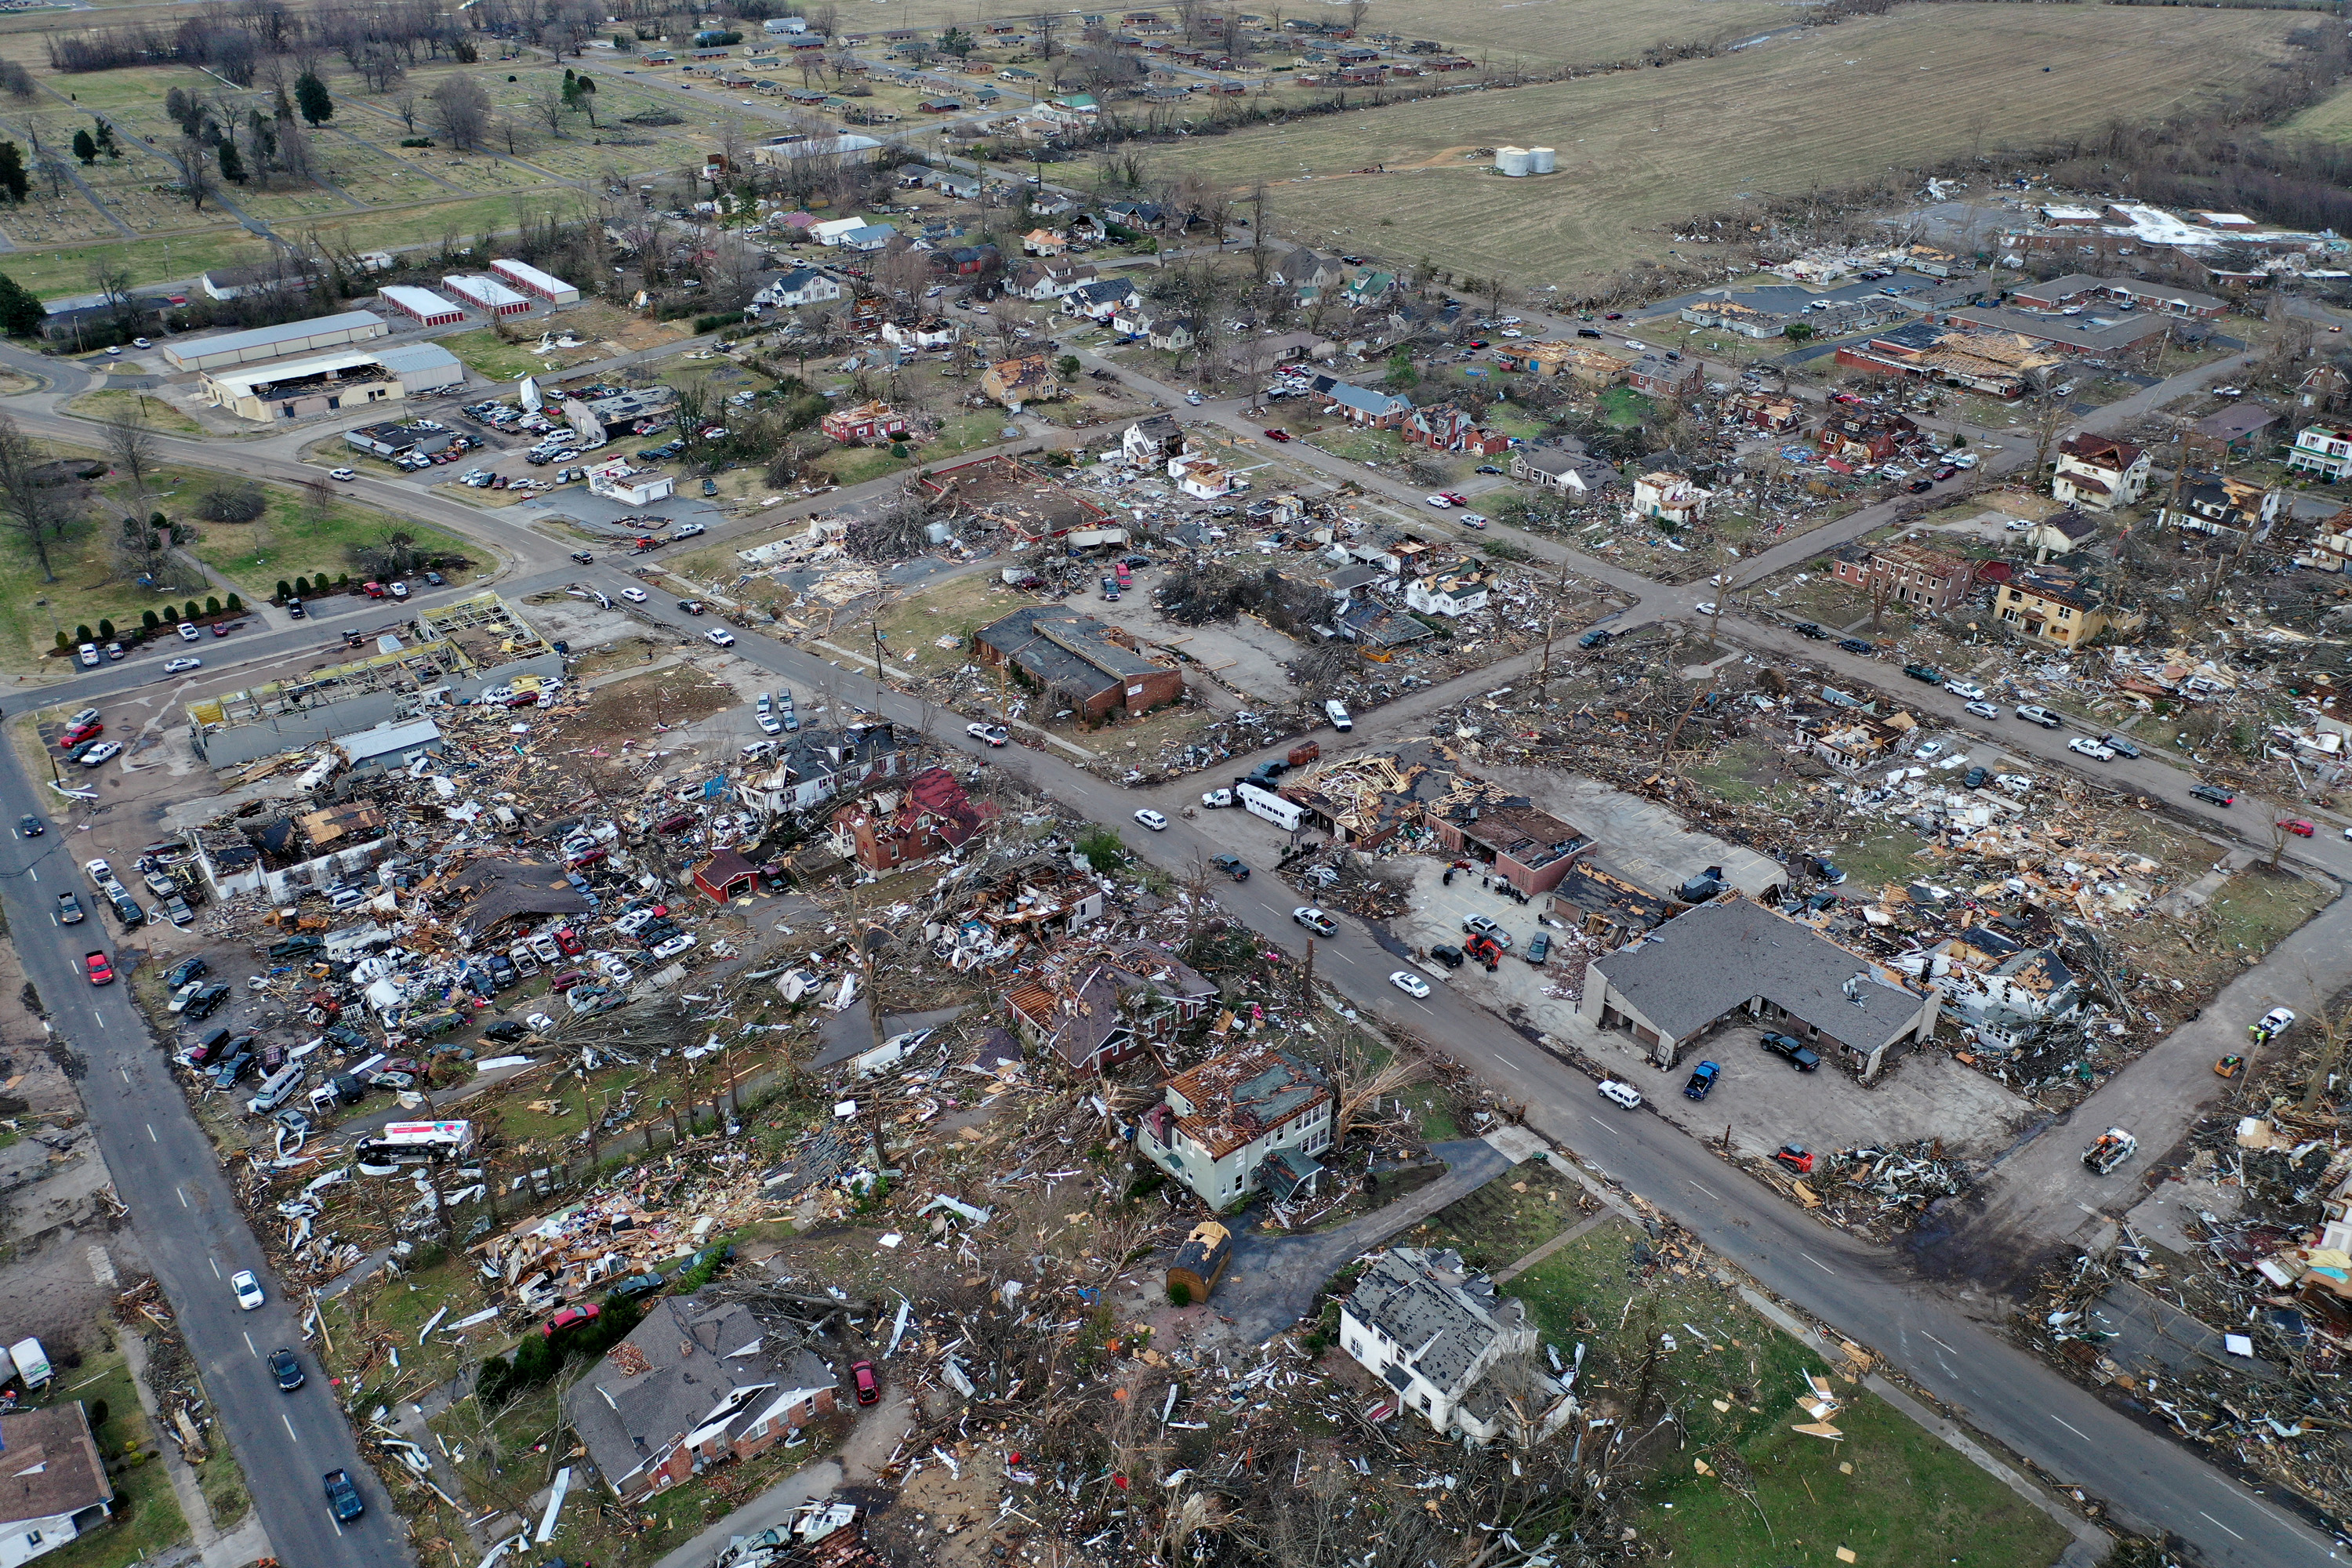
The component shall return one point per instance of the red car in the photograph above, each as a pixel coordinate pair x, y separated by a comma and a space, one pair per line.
1278, 435
2299, 829
570, 1318
869, 1387
101, 971
78, 733
220, 629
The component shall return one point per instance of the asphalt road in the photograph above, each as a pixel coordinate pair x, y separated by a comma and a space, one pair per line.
188, 1221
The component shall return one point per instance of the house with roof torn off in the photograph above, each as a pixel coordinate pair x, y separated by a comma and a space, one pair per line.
1094, 1003
1452, 1347
1249, 1120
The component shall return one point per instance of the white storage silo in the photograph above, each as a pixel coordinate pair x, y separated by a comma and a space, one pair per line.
1542, 161
1511, 160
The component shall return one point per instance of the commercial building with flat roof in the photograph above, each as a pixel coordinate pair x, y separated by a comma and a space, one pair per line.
316, 335
487, 293
546, 286
421, 305
298, 388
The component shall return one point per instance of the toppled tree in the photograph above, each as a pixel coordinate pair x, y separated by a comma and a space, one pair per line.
893, 531
1203, 595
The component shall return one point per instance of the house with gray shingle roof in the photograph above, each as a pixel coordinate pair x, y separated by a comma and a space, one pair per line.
1438, 1333
1365, 406
1732, 959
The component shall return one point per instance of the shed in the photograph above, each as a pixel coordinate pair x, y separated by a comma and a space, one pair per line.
1201, 1262
421, 305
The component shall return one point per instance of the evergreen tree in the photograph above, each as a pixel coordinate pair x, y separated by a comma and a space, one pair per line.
311, 94
232, 166
21, 310
12, 181
84, 148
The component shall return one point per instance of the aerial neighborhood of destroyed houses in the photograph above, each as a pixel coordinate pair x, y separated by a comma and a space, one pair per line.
973, 817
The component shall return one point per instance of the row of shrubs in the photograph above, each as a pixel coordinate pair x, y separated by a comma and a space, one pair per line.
150, 623
303, 587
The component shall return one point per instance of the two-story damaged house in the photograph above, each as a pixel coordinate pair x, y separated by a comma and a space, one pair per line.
814, 765
2100, 473
1096, 1004
1028, 378
895, 826
1670, 498
1452, 1347
2218, 505
696, 1384
2004, 989
1251, 1120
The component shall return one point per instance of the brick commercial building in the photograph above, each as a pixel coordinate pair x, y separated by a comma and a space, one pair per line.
1507, 834
1094, 667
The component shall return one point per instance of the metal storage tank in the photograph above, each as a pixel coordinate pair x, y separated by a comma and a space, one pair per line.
1542, 161
1511, 160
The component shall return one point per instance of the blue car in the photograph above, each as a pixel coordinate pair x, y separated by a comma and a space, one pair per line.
1702, 1078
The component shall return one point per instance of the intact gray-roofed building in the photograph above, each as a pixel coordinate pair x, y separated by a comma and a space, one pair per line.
390, 745
1731, 956
287, 338
1436, 1331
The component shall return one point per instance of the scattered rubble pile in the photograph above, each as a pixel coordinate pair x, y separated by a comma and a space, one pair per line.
1883, 1192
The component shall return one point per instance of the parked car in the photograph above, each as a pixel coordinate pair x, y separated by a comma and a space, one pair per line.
1539, 947
720, 636
570, 1318
1792, 1050
1968, 688
1927, 672
862, 1378
2119, 746
1702, 1079
1984, 709
1315, 920
2213, 792
1411, 984
1808, 629
2090, 748
2034, 714
992, 734
1232, 866
1447, 955
1856, 644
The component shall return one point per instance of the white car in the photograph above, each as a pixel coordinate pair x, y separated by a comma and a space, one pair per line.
247, 1288
1962, 460
1704, 606
769, 724
185, 993
1968, 688
1624, 1094
614, 967
1928, 751
720, 636
1984, 709
1152, 819
992, 734
2090, 748
98, 872
675, 945
179, 665
687, 530
1440, 503
1411, 984
100, 754
342, 473
2275, 1022
635, 596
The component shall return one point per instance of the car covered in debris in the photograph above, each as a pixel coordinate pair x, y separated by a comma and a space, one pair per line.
2272, 1025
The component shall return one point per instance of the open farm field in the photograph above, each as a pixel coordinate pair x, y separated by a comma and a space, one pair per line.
1639, 150
2329, 120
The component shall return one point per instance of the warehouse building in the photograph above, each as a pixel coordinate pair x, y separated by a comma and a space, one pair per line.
421, 305
299, 388
316, 335
546, 286
486, 294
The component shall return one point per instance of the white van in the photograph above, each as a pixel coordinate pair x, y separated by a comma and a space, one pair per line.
1338, 714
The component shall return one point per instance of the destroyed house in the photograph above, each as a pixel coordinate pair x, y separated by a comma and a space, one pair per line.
724, 874
696, 1384
498, 893
2003, 991
1932, 580
1733, 959
1007, 496
1505, 834
1367, 800
2099, 472
1093, 1005
2216, 504
1251, 1119
816, 764
2054, 605
929, 815
53, 1484
1431, 1328
1076, 658
1033, 900
1029, 378
1851, 740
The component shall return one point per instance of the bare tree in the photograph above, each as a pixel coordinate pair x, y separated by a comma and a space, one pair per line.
195, 172
462, 109
130, 446
29, 507
404, 103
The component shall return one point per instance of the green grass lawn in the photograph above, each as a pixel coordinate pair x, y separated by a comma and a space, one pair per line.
291, 540
146, 1515
1890, 1491
913, 627
1624, 407
485, 351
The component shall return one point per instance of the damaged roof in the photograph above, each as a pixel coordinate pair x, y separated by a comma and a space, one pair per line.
1236, 1097
1443, 1315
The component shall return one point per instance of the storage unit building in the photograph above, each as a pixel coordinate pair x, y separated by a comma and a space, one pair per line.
422, 305
487, 293
523, 275
316, 335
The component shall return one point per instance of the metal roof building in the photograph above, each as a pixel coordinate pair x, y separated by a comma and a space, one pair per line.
313, 336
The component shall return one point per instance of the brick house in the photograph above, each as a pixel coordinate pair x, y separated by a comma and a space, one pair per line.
928, 814
1445, 428
698, 1383
1931, 580
864, 423
1365, 406
1654, 376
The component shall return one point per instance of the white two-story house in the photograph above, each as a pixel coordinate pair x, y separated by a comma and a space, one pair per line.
2099, 473
1436, 1332
1670, 498
1454, 593
2323, 449
1249, 1120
